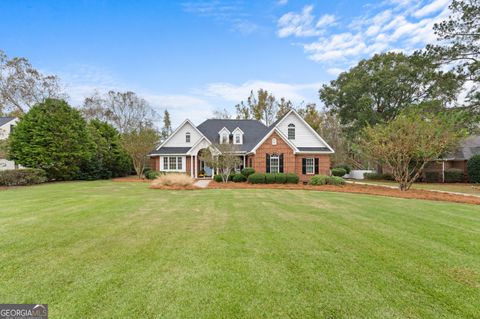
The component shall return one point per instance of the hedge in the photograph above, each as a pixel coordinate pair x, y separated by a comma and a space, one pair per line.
377, 176
339, 171
432, 177
256, 178
318, 180
346, 167
218, 178
238, 178
151, 174
473, 169
280, 178
270, 178
22, 177
247, 171
453, 175
292, 178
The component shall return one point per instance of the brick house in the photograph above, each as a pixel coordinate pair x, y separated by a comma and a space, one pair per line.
289, 145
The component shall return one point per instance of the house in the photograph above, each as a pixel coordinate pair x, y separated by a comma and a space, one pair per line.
457, 159
289, 145
6, 127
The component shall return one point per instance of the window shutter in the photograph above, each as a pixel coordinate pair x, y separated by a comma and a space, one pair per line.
280, 163
316, 165
304, 166
267, 166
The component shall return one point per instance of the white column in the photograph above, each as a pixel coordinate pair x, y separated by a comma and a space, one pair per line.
191, 165
195, 166
244, 161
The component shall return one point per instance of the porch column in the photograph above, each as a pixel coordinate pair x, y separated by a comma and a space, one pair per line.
195, 166
191, 166
244, 161
443, 171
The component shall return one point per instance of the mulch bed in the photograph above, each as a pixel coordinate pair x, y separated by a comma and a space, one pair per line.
357, 189
131, 179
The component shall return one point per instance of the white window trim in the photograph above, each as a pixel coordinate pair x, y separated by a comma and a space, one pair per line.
240, 138
291, 126
188, 137
312, 166
274, 141
176, 161
276, 157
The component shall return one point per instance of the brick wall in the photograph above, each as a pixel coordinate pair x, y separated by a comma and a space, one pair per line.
323, 165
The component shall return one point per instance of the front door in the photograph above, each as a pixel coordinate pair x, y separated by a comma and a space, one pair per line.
205, 170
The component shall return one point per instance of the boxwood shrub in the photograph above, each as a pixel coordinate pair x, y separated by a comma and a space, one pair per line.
453, 175
247, 171
238, 178
335, 180
346, 167
339, 171
326, 180
218, 178
256, 178
150, 174
270, 178
473, 169
22, 177
432, 177
280, 178
292, 178
377, 176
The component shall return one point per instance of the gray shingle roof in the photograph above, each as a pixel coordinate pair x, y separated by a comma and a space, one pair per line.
469, 147
313, 149
5, 119
170, 150
253, 131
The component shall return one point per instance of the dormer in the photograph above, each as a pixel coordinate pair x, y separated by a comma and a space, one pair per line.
237, 136
224, 136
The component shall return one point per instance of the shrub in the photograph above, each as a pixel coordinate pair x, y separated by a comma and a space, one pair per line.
256, 178
453, 175
318, 180
238, 178
339, 171
432, 177
218, 178
22, 177
473, 169
230, 177
346, 167
270, 178
176, 179
247, 171
280, 178
150, 174
292, 178
377, 176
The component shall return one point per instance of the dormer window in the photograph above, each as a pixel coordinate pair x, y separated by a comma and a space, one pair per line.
187, 137
224, 136
291, 131
224, 139
237, 136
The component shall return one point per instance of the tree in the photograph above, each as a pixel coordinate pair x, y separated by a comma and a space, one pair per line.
167, 126
283, 107
223, 158
22, 86
332, 131
52, 136
312, 116
459, 37
137, 144
411, 140
124, 110
222, 114
261, 107
378, 89
109, 159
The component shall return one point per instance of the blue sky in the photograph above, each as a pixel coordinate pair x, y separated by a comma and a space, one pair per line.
194, 57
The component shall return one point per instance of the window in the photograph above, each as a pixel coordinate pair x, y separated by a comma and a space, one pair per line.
172, 163
274, 163
187, 137
310, 166
291, 131
224, 139
238, 138
274, 141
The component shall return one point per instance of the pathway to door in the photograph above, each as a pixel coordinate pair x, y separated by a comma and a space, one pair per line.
202, 183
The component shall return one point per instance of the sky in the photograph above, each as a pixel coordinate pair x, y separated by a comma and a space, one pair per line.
195, 57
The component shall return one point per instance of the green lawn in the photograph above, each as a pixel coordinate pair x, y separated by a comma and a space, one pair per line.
465, 188
121, 250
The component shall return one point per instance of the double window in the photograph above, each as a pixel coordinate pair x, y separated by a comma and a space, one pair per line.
187, 137
291, 131
172, 163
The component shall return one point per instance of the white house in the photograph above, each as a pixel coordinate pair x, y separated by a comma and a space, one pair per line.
7, 124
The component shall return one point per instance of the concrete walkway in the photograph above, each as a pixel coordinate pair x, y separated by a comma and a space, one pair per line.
423, 189
202, 183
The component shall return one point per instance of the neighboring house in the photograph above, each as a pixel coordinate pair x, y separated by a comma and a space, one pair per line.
458, 159
289, 145
6, 126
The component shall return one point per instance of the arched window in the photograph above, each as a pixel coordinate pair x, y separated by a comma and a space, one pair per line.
291, 131
187, 137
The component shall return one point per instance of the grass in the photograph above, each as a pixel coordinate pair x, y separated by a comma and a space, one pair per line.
471, 189
104, 249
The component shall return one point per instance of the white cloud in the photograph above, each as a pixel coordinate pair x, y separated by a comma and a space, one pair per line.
302, 24
282, 2
335, 71
432, 7
235, 93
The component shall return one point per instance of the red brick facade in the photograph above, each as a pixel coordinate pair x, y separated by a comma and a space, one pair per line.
292, 163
